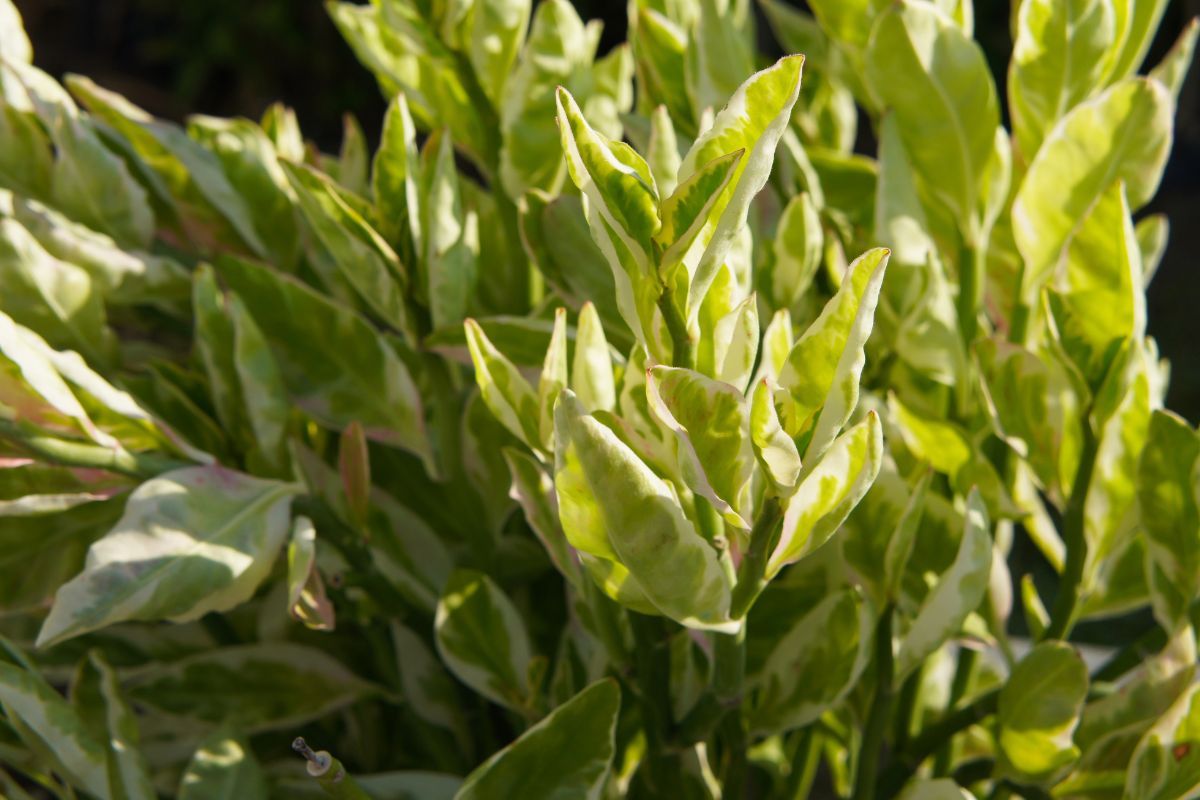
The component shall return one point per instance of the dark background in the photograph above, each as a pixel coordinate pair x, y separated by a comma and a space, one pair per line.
234, 57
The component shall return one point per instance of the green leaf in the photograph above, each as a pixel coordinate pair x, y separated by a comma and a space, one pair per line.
482, 639
89, 183
57, 299
774, 449
799, 245
567, 754
901, 543
813, 665
1153, 232
427, 687
1111, 726
214, 344
349, 373
1135, 24
224, 766
646, 534
1123, 134
591, 369
193, 540
97, 693
554, 375
27, 161
262, 389
14, 44
900, 220
662, 151
689, 208
735, 344
958, 592
50, 725
120, 276
497, 28
753, 120
533, 489
660, 51
251, 163
1058, 61
210, 208
394, 174
711, 423
611, 175
251, 688
1035, 408
307, 601
351, 163
828, 490
559, 47
1168, 495
1111, 516
1166, 763
1038, 710
449, 237
1099, 298
507, 394
1173, 69
934, 78
362, 257
555, 234
823, 368
939, 789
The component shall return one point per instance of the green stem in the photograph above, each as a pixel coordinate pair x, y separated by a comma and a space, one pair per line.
752, 574
330, 774
653, 676
970, 293
733, 730
681, 340
805, 760
1062, 618
962, 679
974, 771
88, 456
906, 705
932, 738
729, 667
357, 554
1133, 654
881, 708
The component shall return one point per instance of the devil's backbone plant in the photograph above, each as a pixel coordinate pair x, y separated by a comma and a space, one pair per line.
614, 429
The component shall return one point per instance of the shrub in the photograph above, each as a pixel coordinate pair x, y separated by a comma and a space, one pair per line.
473, 460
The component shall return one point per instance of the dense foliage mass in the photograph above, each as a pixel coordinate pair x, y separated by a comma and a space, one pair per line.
612, 430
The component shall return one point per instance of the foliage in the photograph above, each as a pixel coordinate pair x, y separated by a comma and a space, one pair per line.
613, 429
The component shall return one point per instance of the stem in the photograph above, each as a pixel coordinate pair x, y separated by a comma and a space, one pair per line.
974, 771
734, 733
729, 667
681, 340
804, 765
932, 738
752, 574
329, 772
1133, 654
970, 293
350, 544
881, 707
906, 705
88, 456
962, 679
653, 675
1062, 618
